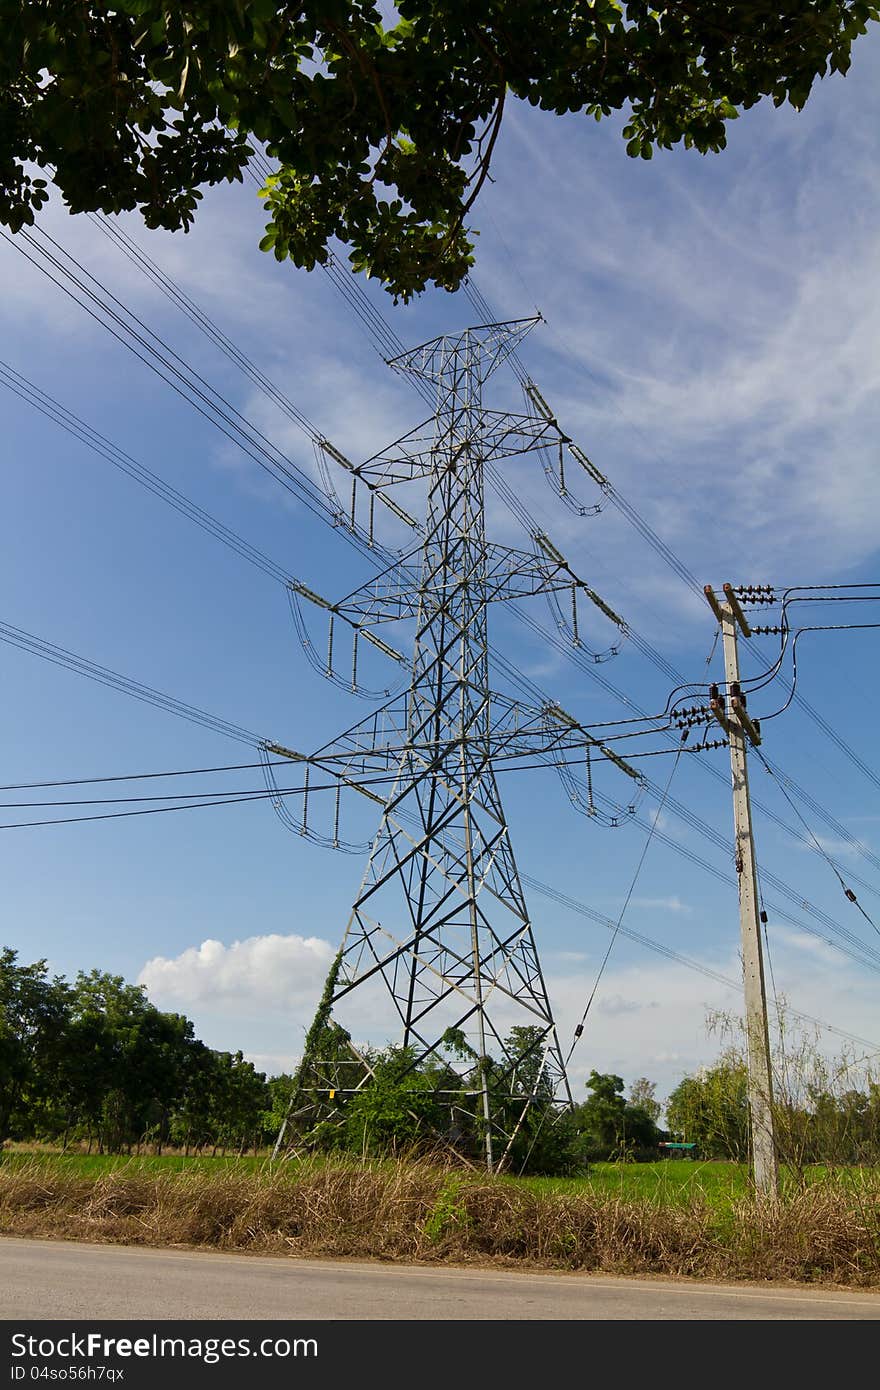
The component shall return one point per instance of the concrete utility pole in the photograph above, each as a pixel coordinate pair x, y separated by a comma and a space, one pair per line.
739, 726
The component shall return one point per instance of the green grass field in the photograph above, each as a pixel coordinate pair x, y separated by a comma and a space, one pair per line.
98, 1165
666, 1182
678, 1182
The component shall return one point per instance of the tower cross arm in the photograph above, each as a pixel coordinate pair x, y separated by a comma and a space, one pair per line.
387, 744
442, 441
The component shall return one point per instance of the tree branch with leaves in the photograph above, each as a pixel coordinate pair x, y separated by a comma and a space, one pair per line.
383, 131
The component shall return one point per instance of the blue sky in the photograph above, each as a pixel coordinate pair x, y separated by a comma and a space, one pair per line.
711, 342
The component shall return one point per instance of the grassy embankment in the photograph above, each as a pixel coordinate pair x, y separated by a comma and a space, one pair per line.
673, 1218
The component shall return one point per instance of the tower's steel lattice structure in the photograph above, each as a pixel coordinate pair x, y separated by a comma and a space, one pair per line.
441, 919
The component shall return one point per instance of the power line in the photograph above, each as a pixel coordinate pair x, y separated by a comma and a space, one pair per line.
841, 938
210, 403
645, 716
820, 848
137, 776
262, 561
144, 811
60, 656
326, 514
484, 308
381, 325
632, 887
78, 429
385, 340
39, 647
546, 890
579, 1028
536, 885
681, 570
249, 552
106, 449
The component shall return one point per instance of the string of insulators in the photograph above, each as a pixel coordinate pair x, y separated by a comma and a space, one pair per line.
589, 467
603, 606
543, 542
374, 492
754, 594
301, 589
619, 762
534, 395
692, 715
335, 453
378, 642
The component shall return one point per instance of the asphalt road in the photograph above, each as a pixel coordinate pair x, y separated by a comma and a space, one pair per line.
59, 1279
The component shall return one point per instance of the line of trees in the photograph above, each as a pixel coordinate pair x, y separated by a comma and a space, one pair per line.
826, 1109
95, 1061
824, 1121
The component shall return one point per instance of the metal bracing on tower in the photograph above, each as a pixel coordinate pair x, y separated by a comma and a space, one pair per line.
440, 920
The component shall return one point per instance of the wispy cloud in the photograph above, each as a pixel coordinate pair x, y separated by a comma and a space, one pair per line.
670, 904
846, 849
720, 317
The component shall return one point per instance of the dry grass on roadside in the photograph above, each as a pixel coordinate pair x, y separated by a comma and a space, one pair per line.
828, 1233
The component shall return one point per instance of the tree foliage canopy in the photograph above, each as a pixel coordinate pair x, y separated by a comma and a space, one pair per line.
825, 1109
96, 1060
379, 1101
711, 1109
382, 129
612, 1127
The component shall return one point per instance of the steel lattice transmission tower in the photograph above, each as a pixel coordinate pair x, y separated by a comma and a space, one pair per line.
441, 919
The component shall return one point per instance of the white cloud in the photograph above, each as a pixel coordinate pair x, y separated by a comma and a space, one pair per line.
650, 1019
646, 1020
274, 974
614, 1004
273, 1063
